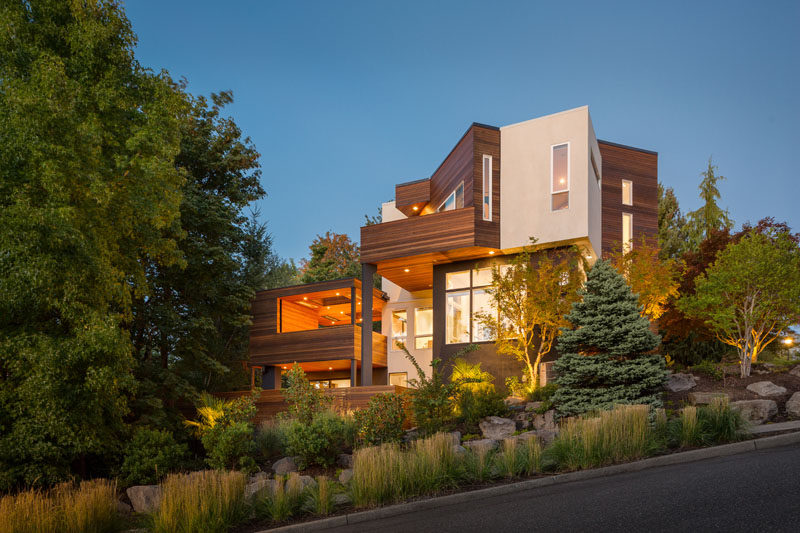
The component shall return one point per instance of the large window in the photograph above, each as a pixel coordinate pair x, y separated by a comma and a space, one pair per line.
627, 232
399, 328
466, 294
627, 192
559, 168
423, 328
487, 187
455, 200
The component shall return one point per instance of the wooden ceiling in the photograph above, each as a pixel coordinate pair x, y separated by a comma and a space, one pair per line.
332, 307
416, 273
327, 366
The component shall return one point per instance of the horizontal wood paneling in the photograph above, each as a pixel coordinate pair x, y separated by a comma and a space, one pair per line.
457, 167
271, 402
412, 194
641, 168
418, 235
295, 317
336, 342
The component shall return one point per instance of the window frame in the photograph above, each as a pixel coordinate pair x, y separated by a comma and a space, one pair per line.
622, 192
470, 290
392, 336
398, 374
424, 335
627, 246
569, 176
453, 194
483, 186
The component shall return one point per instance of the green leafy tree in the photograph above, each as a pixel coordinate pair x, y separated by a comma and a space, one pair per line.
532, 296
604, 355
672, 228
709, 217
333, 256
88, 195
750, 294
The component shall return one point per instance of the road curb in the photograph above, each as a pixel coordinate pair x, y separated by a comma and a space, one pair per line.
580, 475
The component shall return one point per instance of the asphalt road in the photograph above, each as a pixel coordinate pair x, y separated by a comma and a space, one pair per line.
753, 492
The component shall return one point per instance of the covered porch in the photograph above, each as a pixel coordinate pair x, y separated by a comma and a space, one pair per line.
318, 326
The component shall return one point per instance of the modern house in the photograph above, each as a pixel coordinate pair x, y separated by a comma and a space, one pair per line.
548, 178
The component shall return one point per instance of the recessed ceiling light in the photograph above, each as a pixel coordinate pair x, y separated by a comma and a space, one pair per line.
337, 294
341, 312
416, 208
491, 252
305, 297
406, 270
330, 368
329, 307
284, 368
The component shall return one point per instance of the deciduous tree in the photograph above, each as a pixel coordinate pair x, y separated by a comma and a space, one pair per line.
532, 295
750, 294
333, 256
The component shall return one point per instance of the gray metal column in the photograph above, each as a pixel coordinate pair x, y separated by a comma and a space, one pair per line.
367, 283
353, 373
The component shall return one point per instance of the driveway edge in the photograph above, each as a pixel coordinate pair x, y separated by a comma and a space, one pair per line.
462, 497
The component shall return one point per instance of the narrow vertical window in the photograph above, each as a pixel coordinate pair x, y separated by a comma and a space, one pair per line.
460, 196
627, 232
487, 187
399, 328
559, 168
627, 192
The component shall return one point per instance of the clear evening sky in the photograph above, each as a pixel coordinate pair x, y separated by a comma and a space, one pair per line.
345, 99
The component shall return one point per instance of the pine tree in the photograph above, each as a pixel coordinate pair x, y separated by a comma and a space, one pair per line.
604, 359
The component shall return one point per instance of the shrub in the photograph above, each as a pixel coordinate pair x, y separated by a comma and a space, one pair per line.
474, 405
320, 497
90, 507
623, 434
319, 441
720, 423
150, 455
281, 502
305, 401
226, 431
270, 439
470, 376
708, 368
381, 421
209, 501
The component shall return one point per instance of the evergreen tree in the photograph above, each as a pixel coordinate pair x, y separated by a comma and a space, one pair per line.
672, 229
709, 217
604, 359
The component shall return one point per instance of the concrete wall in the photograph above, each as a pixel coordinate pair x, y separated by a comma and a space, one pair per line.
525, 198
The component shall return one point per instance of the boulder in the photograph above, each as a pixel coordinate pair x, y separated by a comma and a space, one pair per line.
258, 476
515, 402
345, 476
766, 388
547, 421
455, 437
341, 498
528, 435
795, 371
144, 498
532, 406
284, 466
705, 398
123, 508
756, 411
307, 481
459, 449
410, 434
523, 419
793, 406
481, 445
546, 436
681, 382
258, 485
497, 428
344, 460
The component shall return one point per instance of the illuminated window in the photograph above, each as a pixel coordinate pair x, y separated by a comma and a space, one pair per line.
455, 200
627, 192
399, 379
466, 294
627, 232
559, 168
423, 328
457, 280
457, 311
487, 187
399, 329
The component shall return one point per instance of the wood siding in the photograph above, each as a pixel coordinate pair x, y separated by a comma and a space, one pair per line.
412, 194
457, 167
295, 317
641, 168
486, 142
327, 344
437, 232
271, 402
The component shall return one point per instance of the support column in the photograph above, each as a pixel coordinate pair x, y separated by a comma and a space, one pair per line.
367, 282
353, 373
271, 378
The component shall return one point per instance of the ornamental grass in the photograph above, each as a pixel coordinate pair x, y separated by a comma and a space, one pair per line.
90, 507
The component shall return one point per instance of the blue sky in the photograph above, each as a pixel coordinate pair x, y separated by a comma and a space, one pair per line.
345, 99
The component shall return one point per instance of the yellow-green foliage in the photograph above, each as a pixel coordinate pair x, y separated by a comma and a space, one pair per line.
320, 497
690, 431
388, 473
90, 507
622, 434
209, 501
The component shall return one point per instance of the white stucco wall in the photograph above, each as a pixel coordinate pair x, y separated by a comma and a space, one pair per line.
525, 191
